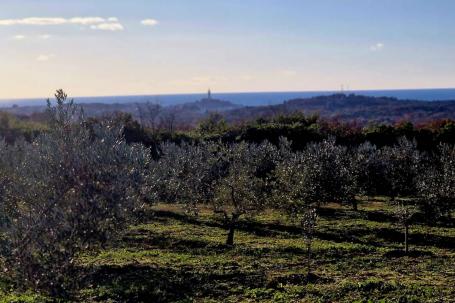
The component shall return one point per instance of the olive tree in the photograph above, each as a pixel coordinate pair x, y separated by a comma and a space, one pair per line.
70, 191
243, 187
328, 170
404, 211
401, 168
297, 192
437, 185
233, 179
187, 174
401, 164
368, 170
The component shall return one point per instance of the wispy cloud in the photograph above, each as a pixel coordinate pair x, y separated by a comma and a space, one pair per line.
45, 36
149, 22
111, 23
377, 47
44, 58
19, 37
108, 27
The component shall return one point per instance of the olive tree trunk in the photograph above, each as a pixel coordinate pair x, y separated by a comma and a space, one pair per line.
232, 225
308, 258
406, 234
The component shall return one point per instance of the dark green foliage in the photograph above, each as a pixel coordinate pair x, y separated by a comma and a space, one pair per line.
213, 124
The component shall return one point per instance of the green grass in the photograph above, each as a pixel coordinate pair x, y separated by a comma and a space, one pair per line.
175, 258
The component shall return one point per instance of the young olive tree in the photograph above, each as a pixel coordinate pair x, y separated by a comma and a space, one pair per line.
404, 212
71, 190
437, 185
308, 222
244, 184
401, 171
296, 191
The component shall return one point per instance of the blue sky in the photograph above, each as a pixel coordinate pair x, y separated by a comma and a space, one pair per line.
100, 47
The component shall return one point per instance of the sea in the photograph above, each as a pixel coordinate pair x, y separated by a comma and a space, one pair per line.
249, 99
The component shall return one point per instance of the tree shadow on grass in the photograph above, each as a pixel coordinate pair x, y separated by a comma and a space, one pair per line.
399, 253
420, 239
383, 235
153, 240
157, 214
141, 283
380, 216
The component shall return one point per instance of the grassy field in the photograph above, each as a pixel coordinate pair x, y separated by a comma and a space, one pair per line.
175, 258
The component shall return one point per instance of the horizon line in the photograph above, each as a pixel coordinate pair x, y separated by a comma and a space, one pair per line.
228, 92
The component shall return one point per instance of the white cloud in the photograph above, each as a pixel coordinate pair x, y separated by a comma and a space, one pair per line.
44, 58
108, 27
149, 22
86, 20
45, 36
33, 21
377, 47
19, 37
57, 21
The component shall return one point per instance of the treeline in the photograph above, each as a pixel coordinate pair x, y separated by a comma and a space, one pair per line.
78, 184
299, 128
302, 129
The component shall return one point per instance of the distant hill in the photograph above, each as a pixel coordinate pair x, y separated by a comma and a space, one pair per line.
362, 109
247, 98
